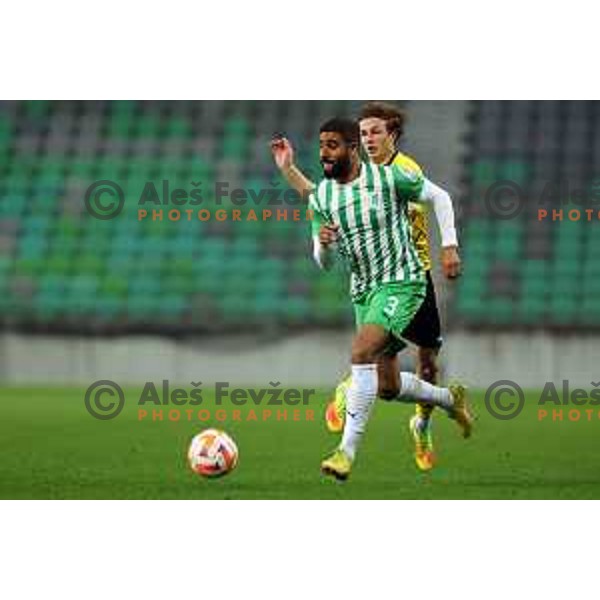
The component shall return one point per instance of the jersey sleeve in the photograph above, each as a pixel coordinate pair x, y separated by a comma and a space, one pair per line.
317, 217
321, 254
408, 181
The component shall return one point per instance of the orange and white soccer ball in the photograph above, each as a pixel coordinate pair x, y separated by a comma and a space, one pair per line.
212, 453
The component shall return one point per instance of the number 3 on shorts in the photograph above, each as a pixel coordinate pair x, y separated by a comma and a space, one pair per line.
390, 307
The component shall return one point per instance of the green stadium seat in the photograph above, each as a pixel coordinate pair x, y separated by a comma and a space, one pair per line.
32, 246
37, 109
485, 172
508, 244
530, 309
473, 306
91, 264
296, 309
500, 310
172, 305
563, 308
6, 132
266, 305
235, 308
34, 266
114, 285
147, 127
12, 205
6, 264
144, 286
473, 286
83, 285
49, 305
237, 126
535, 286
124, 107
179, 128
517, 171
107, 308
142, 307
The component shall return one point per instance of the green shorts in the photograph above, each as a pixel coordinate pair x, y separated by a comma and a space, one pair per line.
391, 305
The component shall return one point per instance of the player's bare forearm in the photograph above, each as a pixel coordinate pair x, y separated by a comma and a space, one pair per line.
298, 181
283, 155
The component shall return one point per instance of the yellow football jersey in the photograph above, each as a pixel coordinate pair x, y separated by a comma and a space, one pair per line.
417, 213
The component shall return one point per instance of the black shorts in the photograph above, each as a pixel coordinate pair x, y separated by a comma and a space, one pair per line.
424, 330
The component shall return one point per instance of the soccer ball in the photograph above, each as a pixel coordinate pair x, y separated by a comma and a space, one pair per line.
212, 453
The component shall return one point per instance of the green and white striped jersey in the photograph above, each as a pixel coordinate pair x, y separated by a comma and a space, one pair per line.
374, 230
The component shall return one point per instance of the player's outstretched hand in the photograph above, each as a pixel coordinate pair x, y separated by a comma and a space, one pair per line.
283, 152
328, 234
451, 262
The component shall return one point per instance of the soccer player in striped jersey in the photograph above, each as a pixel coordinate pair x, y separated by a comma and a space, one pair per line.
381, 126
362, 209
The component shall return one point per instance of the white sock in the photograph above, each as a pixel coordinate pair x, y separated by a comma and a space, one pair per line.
360, 398
413, 389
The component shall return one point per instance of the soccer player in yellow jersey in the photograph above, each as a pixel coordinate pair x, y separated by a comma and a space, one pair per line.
381, 126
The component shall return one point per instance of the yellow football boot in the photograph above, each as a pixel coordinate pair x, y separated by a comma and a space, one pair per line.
424, 456
460, 409
337, 465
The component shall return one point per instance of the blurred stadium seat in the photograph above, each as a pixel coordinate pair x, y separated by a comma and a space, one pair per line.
61, 269
525, 271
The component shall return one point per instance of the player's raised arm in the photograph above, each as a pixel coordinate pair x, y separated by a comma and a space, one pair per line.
444, 215
283, 155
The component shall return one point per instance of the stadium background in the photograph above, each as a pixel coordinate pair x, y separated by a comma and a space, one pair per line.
84, 299
81, 297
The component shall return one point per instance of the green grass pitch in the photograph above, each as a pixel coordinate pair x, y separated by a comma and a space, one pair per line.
50, 447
